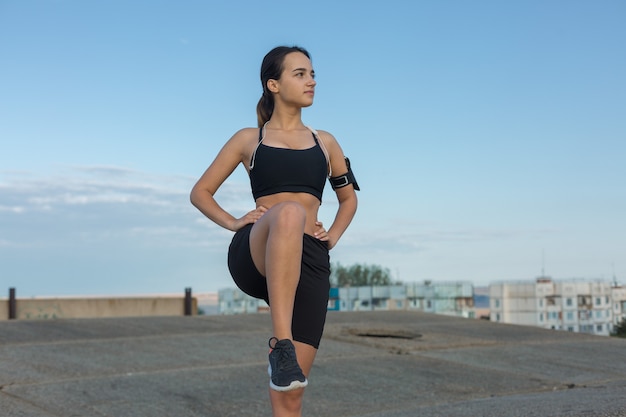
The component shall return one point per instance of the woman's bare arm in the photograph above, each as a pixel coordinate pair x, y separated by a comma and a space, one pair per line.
202, 194
346, 196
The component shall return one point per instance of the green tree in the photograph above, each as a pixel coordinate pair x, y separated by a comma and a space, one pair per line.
359, 275
620, 329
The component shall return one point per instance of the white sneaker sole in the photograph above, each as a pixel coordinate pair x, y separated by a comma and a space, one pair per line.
290, 387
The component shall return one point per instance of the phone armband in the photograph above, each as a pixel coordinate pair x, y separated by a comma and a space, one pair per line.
345, 179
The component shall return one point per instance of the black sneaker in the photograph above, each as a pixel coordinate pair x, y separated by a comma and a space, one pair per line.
285, 373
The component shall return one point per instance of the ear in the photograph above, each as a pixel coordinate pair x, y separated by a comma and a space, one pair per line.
272, 85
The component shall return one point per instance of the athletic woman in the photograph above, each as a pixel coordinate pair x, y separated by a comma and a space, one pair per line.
279, 252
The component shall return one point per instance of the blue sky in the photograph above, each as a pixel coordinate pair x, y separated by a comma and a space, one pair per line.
488, 137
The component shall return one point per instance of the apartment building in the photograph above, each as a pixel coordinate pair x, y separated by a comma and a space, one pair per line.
618, 294
585, 306
235, 301
368, 298
451, 298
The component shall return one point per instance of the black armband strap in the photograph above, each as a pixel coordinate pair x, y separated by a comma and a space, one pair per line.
345, 179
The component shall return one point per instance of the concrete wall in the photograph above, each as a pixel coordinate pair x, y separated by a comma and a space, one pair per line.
65, 308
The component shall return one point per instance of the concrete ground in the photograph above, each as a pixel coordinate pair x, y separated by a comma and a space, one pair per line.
370, 364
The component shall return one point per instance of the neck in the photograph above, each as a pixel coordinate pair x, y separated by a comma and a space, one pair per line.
284, 119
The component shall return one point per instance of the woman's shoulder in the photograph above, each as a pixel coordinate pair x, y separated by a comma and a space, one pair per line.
326, 136
330, 142
247, 132
245, 136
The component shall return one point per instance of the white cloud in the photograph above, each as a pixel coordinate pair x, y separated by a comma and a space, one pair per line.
12, 209
107, 203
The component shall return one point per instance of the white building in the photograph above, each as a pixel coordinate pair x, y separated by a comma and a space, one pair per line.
618, 295
575, 305
451, 298
368, 298
235, 301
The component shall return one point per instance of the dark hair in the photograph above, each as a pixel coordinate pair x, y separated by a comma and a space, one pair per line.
271, 69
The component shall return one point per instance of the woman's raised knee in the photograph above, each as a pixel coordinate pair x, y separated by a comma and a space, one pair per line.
290, 215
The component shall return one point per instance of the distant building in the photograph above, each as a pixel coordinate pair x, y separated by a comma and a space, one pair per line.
450, 298
582, 306
618, 293
235, 301
368, 298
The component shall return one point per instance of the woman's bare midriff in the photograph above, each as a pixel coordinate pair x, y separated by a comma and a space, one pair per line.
310, 203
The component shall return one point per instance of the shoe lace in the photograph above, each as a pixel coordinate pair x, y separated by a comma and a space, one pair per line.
287, 360
286, 356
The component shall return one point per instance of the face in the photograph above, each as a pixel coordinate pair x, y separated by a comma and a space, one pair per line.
297, 81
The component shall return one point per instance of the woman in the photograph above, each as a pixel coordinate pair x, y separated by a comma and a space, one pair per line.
280, 250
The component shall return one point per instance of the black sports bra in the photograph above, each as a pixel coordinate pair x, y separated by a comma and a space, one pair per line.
275, 170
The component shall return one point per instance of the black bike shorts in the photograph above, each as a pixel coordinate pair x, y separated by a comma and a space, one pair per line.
311, 302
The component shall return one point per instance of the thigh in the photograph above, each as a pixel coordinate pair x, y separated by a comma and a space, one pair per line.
287, 214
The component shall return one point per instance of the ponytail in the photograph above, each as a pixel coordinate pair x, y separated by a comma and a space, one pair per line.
265, 108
